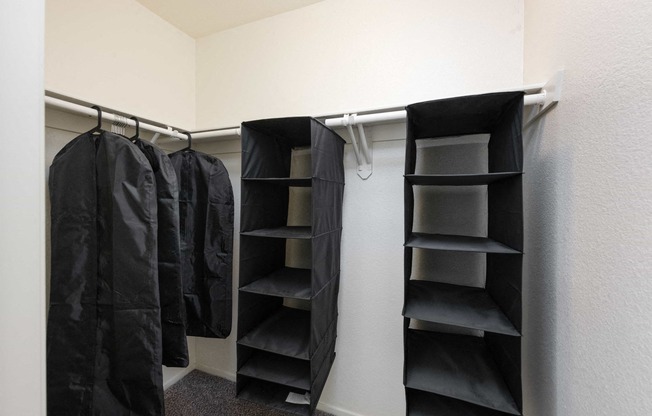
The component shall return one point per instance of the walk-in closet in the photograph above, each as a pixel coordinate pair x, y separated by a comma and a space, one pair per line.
325, 207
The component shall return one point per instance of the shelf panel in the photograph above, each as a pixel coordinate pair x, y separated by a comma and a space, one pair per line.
287, 282
457, 366
272, 395
421, 403
463, 306
459, 179
301, 182
278, 369
286, 332
298, 232
458, 243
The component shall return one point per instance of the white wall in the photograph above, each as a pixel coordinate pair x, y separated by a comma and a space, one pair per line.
349, 55
22, 208
120, 55
588, 204
339, 56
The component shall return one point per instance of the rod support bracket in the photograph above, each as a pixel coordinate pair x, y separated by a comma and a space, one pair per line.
362, 148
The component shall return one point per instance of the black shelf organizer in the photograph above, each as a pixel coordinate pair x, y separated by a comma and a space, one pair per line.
287, 315
462, 343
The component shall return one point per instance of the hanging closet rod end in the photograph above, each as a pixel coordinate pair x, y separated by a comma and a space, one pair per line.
551, 96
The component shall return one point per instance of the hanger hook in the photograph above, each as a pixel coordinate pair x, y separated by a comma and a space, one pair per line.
137, 135
99, 117
187, 133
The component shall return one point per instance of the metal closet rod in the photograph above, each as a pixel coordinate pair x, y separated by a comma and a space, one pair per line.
346, 120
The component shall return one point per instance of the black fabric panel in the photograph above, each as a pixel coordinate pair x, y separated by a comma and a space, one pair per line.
460, 116
458, 243
421, 403
285, 332
320, 380
323, 313
277, 369
504, 284
259, 257
286, 282
298, 182
263, 206
327, 198
271, 394
459, 179
264, 155
326, 259
506, 212
408, 198
327, 153
104, 329
457, 366
173, 313
506, 141
324, 350
206, 221
506, 352
253, 310
294, 231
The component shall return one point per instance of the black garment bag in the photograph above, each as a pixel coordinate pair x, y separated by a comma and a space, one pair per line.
206, 220
175, 346
104, 326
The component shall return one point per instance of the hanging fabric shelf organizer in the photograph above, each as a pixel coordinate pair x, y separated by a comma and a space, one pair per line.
284, 348
470, 364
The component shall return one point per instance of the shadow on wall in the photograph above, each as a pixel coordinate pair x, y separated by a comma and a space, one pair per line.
545, 276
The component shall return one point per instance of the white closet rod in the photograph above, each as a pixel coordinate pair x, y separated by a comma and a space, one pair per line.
355, 119
346, 120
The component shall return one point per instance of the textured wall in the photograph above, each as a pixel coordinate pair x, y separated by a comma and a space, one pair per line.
118, 54
350, 55
588, 204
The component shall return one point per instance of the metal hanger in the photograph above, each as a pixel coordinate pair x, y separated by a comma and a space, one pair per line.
137, 135
189, 147
97, 129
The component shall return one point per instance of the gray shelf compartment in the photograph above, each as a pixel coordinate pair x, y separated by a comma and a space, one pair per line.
287, 282
462, 306
459, 179
456, 366
446, 242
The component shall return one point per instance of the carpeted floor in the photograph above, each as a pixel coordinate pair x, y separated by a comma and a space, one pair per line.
200, 394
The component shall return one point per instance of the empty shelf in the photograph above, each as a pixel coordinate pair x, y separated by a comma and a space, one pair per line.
464, 306
459, 179
302, 182
457, 366
286, 332
278, 369
272, 395
299, 232
287, 282
421, 403
458, 243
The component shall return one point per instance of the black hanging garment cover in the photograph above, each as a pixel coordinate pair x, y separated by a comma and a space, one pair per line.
175, 346
206, 220
104, 327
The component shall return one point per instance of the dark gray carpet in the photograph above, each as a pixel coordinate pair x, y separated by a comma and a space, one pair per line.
200, 394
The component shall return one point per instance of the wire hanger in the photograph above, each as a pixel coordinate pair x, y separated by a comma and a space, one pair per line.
189, 147
137, 135
97, 129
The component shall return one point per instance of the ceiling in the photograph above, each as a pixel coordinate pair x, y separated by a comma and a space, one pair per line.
200, 18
